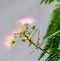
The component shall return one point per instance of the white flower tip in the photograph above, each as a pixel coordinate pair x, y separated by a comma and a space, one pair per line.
26, 19
6, 45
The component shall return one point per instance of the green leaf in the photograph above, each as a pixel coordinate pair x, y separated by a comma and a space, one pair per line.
54, 56
52, 44
41, 1
55, 42
46, 47
57, 5
48, 1
54, 22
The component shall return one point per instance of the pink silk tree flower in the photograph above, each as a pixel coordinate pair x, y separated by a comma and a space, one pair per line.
19, 30
26, 20
9, 42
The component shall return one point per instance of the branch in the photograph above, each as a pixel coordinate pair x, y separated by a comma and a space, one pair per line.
37, 46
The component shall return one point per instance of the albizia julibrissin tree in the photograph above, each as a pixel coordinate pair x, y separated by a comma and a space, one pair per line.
26, 32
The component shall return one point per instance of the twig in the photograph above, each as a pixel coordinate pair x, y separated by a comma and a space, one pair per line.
34, 32
35, 44
39, 47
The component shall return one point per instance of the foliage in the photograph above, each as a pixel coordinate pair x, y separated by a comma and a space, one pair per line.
53, 36
48, 1
54, 22
54, 56
52, 45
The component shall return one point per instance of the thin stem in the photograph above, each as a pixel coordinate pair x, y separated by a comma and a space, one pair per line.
35, 44
34, 32
38, 47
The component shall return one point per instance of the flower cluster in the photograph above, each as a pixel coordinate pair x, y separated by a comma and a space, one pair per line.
22, 31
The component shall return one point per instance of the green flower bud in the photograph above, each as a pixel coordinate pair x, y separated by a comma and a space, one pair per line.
24, 39
33, 27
